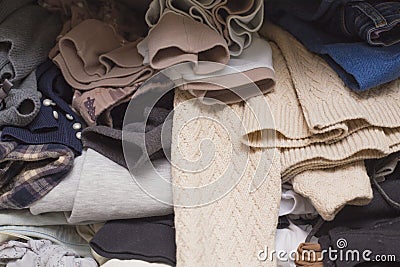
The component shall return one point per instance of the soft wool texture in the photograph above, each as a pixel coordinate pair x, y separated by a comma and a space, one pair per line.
232, 230
324, 108
235, 21
330, 190
317, 128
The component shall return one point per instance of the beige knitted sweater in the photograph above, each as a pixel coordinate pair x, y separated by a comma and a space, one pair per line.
318, 122
232, 230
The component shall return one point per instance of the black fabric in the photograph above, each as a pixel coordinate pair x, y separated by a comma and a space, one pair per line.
357, 217
382, 240
148, 239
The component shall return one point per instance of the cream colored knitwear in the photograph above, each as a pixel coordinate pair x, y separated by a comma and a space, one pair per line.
232, 230
331, 189
331, 110
305, 120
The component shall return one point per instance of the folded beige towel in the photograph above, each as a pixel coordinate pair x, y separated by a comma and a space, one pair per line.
92, 55
232, 230
331, 189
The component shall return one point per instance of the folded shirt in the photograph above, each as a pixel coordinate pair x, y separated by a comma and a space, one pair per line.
150, 239
245, 76
85, 199
29, 172
107, 62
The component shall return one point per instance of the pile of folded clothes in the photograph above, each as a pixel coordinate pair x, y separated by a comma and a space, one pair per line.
199, 132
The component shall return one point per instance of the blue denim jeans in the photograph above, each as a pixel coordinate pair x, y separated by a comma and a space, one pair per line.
376, 22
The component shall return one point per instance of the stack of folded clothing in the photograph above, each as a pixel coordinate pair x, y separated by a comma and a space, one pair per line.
199, 132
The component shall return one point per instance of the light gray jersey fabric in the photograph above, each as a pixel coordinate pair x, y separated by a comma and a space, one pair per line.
106, 191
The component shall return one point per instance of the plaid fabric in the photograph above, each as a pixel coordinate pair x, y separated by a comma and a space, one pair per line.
28, 172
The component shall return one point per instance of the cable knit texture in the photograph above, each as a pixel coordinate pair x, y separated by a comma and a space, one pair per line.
330, 190
232, 230
319, 122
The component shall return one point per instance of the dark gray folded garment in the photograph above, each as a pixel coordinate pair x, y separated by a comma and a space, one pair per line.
27, 33
149, 239
141, 141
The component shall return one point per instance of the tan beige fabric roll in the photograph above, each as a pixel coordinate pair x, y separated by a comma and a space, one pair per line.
331, 189
92, 55
232, 230
192, 42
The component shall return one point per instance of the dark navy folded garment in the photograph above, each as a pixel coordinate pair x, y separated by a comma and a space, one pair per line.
360, 65
56, 122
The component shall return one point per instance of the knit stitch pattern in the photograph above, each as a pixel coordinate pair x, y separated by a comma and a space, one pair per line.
232, 230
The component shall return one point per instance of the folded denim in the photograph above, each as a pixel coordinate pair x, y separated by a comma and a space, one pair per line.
151, 239
107, 62
55, 122
29, 172
61, 235
375, 22
368, 66
41, 253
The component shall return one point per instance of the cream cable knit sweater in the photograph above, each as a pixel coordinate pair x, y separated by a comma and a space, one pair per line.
326, 103
232, 230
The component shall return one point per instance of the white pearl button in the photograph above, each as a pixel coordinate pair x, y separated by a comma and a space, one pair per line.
77, 126
78, 135
55, 114
47, 102
69, 117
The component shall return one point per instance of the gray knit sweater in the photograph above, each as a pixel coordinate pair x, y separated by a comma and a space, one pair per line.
27, 33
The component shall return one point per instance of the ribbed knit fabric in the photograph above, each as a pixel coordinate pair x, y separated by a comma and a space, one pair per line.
27, 33
45, 128
232, 230
331, 189
319, 123
22, 104
31, 31
307, 84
